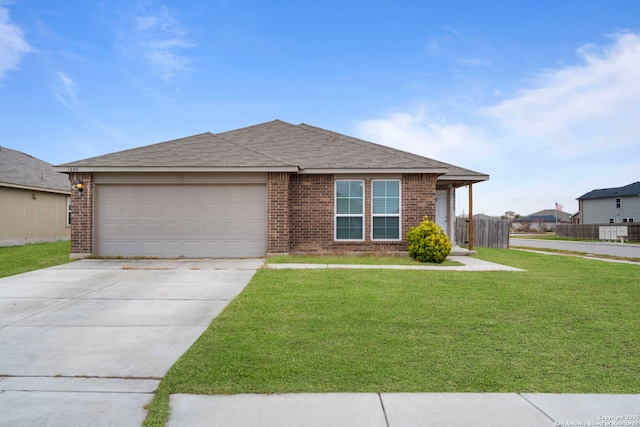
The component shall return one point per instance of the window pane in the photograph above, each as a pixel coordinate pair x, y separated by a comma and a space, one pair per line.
393, 205
379, 205
386, 227
342, 228
356, 188
386, 197
393, 188
342, 206
379, 188
355, 206
349, 228
342, 188
356, 228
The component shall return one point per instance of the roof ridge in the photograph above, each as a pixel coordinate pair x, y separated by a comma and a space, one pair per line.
254, 150
374, 145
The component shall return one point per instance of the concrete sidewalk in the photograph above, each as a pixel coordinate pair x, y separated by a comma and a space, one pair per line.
405, 409
469, 264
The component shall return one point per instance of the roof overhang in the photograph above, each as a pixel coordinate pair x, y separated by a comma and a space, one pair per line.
461, 180
74, 169
33, 188
361, 171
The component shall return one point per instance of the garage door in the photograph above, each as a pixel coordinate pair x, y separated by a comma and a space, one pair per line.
193, 221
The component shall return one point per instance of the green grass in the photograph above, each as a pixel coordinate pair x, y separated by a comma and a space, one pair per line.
566, 325
352, 259
20, 259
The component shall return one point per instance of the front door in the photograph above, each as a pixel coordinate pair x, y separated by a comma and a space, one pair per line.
442, 211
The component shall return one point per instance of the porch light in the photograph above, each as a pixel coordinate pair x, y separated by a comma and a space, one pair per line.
79, 187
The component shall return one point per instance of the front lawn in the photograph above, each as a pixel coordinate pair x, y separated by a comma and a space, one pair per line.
566, 325
20, 259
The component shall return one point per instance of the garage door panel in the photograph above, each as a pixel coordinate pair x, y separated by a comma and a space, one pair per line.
193, 231
218, 220
214, 211
211, 230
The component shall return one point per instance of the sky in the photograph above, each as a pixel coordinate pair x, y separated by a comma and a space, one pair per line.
543, 96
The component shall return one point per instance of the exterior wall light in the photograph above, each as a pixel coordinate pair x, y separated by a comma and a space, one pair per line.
79, 187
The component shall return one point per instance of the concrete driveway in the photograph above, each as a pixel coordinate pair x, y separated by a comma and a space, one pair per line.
87, 343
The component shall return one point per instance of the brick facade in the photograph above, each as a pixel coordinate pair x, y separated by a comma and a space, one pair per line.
300, 213
311, 212
311, 201
278, 227
81, 215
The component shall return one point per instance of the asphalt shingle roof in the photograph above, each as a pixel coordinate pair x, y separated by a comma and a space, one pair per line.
603, 193
272, 144
22, 170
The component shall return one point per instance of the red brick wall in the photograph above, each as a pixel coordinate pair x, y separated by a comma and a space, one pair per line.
278, 213
311, 212
418, 199
300, 213
82, 214
311, 201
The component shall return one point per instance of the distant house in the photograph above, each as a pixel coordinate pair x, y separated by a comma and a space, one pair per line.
544, 220
619, 205
34, 200
264, 189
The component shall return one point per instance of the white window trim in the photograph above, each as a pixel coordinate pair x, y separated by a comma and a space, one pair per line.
335, 210
618, 202
399, 214
628, 220
68, 211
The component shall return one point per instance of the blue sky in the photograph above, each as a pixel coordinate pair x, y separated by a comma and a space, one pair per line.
544, 96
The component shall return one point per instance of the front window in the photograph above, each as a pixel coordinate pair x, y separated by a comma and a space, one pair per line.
627, 220
385, 210
618, 202
349, 210
68, 211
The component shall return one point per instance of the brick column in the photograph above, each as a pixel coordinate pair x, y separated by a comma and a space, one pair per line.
81, 215
278, 213
418, 198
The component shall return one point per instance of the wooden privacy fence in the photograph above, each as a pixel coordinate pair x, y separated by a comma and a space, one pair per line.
592, 231
487, 232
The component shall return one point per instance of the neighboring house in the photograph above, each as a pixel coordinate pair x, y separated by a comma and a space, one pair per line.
544, 220
34, 200
264, 189
619, 205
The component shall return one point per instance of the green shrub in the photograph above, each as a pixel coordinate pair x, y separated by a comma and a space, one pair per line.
428, 242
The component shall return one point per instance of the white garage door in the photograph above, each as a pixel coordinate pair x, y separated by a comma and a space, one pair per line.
193, 221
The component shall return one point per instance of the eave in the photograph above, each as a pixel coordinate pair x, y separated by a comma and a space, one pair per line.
33, 188
74, 169
361, 171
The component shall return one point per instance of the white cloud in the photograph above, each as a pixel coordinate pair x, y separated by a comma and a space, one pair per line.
12, 44
66, 91
159, 37
423, 134
579, 109
573, 129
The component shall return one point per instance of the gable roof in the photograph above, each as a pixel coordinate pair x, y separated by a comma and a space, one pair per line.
20, 170
603, 193
272, 146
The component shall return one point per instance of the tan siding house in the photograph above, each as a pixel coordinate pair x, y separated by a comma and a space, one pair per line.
34, 200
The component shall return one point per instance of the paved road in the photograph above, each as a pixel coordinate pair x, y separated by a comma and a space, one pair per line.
616, 249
